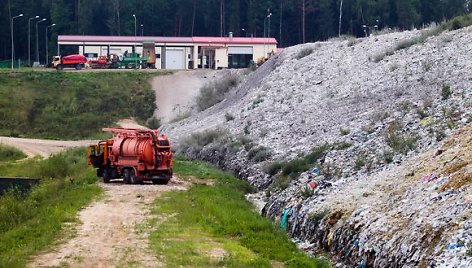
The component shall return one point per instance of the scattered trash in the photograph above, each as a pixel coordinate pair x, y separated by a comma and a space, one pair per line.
468, 199
316, 171
455, 246
429, 178
312, 185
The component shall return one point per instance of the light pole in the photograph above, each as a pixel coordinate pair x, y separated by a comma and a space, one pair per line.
245, 33
265, 39
142, 29
12, 42
135, 54
268, 26
37, 44
340, 17
47, 40
29, 38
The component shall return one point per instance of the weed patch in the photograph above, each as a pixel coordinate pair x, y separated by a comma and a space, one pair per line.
217, 217
213, 93
30, 222
304, 52
9, 153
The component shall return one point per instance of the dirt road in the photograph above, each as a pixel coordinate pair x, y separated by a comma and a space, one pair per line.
112, 231
44, 148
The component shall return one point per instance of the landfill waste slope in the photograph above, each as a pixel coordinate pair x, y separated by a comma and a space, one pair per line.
358, 147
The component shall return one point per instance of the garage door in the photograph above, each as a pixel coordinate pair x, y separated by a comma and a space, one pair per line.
175, 59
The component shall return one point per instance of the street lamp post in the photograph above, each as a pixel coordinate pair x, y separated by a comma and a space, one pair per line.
268, 32
245, 33
142, 29
37, 43
29, 38
12, 40
47, 41
135, 52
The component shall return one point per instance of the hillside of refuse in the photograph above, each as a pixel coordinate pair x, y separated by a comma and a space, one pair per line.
358, 147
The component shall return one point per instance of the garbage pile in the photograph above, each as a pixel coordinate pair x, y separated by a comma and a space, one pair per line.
393, 184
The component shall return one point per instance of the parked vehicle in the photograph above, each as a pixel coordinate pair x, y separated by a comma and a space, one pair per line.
72, 61
105, 62
135, 155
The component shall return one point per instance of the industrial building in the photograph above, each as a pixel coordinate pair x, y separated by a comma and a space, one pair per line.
177, 52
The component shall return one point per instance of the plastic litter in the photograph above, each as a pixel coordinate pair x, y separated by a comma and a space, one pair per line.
429, 178
316, 171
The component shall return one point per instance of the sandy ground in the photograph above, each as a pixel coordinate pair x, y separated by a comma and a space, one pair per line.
176, 93
44, 148
113, 231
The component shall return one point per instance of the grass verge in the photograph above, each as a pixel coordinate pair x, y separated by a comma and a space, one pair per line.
214, 225
32, 221
72, 105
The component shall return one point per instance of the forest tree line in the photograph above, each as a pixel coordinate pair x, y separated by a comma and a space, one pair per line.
289, 21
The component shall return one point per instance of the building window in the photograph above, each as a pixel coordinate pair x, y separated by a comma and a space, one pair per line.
236, 61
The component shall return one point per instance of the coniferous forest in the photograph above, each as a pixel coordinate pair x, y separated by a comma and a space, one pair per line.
289, 21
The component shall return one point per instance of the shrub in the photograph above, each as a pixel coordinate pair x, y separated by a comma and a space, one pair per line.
344, 131
273, 168
229, 117
387, 156
446, 91
213, 93
360, 161
304, 52
342, 145
258, 154
281, 182
399, 143
153, 123
9, 153
199, 140
180, 117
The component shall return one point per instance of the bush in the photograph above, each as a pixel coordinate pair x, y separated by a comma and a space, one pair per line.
258, 154
344, 131
199, 140
399, 143
273, 168
446, 92
304, 52
229, 117
213, 93
9, 153
153, 123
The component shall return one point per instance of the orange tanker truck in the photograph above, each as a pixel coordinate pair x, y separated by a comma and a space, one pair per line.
136, 155
72, 61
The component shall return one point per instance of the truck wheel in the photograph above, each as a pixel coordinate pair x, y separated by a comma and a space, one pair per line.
78, 67
59, 67
132, 177
126, 176
106, 175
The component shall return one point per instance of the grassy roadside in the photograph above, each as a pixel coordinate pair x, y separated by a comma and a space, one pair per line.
30, 222
72, 105
214, 225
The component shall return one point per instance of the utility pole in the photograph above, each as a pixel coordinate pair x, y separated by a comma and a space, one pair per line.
12, 41
135, 51
29, 38
340, 17
280, 24
47, 41
37, 43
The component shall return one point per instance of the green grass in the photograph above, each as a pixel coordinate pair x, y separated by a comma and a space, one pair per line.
191, 225
72, 105
9, 153
31, 222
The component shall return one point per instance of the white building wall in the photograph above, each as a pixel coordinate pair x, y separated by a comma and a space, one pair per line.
221, 58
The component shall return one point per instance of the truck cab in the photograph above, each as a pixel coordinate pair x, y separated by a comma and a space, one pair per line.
56, 60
